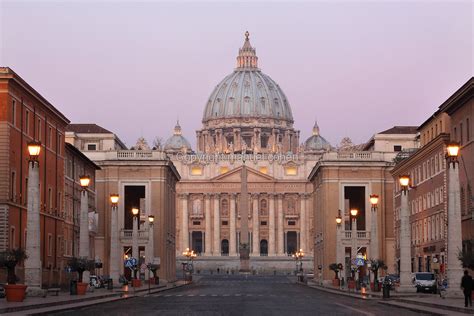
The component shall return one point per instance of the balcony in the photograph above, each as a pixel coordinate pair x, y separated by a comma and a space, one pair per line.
126, 235
363, 238
358, 156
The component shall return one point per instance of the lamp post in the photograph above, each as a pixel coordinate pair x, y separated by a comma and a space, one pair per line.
454, 268
149, 255
114, 240
33, 237
339, 258
374, 241
188, 267
84, 181
135, 251
298, 256
405, 237
354, 213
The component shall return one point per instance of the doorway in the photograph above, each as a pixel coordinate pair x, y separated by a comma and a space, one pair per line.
196, 242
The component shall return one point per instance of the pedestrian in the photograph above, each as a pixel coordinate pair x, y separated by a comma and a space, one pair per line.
466, 285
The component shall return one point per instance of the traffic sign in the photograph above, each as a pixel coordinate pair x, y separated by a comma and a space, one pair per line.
358, 262
130, 262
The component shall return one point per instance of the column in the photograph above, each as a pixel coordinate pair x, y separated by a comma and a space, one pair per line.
374, 240
255, 227
207, 238
217, 227
84, 225
454, 269
303, 224
406, 284
271, 225
281, 233
115, 260
233, 238
33, 237
185, 221
149, 255
135, 252
339, 246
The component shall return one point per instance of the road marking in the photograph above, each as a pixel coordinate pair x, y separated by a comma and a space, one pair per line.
214, 295
356, 309
190, 294
202, 295
249, 294
179, 294
237, 294
226, 295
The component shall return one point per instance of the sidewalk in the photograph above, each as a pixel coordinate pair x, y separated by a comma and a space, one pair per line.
421, 302
65, 301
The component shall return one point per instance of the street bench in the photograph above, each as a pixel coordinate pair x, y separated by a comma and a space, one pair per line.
54, 291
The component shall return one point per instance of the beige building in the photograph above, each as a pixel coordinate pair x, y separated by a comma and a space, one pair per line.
143, 178
343, 180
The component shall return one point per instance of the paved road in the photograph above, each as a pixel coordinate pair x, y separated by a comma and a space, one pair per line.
242, 295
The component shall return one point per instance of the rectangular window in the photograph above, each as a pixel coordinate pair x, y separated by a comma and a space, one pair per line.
468, 132
50, 199
50, 245
91, 147
26, 192
13, 112
291, 223
455, 132
397, 148
27, 123
460, 133
263, 223
39, 130
196, 223
12, 237
50, 137
60, 139
13, 187
225, 223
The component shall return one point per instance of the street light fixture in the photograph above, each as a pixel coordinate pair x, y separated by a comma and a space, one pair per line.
151, 219
354, 212
135, 254
84, 181
114, 198
374, 241
34, 149
338, 220
452, 153
404, 182
374, 200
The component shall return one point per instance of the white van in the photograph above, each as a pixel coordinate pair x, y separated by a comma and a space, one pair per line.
425, 281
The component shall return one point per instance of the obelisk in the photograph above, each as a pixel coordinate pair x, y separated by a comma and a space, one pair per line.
244, 247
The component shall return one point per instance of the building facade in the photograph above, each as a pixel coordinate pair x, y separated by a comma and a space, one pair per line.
343, 180
144, 179
26, 116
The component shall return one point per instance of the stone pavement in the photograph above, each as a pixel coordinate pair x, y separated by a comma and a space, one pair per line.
65, 301
422, 302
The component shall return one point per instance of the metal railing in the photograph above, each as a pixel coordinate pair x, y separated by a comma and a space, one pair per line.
127, 234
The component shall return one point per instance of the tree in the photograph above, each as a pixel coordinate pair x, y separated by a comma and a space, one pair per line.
9, 259
334, 267
467, 259
80, 265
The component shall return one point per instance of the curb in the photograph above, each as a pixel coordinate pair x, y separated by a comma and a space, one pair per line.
434, 305
412, 307
67, 305
337, 292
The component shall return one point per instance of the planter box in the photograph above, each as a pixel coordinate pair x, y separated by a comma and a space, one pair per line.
336, 282
351, 284
81, 288
15, 292
375, 288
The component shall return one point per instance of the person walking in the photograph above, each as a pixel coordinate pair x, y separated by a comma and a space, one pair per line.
466, 285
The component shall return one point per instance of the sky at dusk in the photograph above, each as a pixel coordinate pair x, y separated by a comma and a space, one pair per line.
133, 67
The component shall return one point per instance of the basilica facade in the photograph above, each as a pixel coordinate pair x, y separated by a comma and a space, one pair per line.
247, 120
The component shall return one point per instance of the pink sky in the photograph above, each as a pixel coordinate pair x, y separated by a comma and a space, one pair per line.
134, 67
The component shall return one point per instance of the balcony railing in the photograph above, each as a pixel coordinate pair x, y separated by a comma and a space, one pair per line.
360, 155
127, 235
361, 234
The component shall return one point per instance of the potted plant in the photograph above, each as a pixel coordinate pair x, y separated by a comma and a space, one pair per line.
351, 284
336, 268
136, 282
80, 265
9, 259
375, 265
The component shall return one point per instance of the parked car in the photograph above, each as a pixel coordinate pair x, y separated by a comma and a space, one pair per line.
425, 281
392, 279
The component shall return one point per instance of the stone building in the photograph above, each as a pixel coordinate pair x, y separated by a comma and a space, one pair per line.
343, 180
143, 178
247, 116
25, 115
76, 165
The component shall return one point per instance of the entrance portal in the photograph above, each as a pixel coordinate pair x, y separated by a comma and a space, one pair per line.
263, 247
291, 242
196, 242
225, 247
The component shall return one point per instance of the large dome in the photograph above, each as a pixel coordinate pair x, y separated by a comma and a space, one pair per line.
247, 92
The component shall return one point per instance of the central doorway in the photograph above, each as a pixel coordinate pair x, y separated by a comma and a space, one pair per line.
196, 242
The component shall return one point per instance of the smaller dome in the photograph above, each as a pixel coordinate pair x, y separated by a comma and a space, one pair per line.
316, 142
177, 142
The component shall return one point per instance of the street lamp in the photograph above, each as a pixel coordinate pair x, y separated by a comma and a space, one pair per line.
374, 251
354, 213
33, 238
298, 256
454, 236
84, 181
135, 251
188, 266
405, 237
114, 240
339, 254
149, 254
